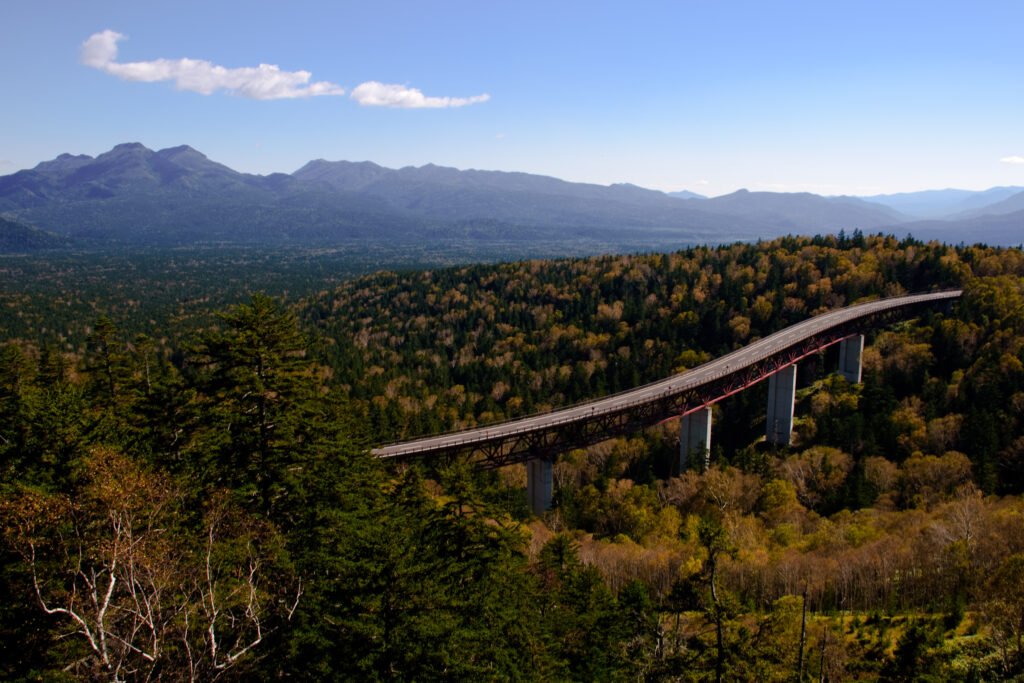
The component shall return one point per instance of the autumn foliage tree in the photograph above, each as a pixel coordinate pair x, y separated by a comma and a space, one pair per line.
140, 591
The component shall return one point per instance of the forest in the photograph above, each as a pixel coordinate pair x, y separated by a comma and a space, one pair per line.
188, 494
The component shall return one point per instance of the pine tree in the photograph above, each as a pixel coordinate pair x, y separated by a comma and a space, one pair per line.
256, 401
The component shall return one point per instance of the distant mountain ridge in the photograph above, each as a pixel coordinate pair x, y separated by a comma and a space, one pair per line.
178, 196
944, 203
1011, 204
779, 210
685, 194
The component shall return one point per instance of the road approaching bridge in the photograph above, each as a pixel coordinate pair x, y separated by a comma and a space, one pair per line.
542, 436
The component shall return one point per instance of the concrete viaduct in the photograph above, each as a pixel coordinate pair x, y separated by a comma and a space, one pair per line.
538, 439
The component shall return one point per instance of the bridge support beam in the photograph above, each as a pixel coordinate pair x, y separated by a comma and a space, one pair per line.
781, 401
850, 350
695, 438
538, 484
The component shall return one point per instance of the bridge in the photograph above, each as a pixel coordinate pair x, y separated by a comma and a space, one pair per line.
538, 439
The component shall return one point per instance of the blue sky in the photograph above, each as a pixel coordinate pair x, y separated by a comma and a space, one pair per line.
707, 95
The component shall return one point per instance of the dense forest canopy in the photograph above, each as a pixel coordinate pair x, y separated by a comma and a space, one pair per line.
527, 336
54, 297
192, 497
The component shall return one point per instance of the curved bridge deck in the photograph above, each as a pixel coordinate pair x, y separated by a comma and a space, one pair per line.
545, 435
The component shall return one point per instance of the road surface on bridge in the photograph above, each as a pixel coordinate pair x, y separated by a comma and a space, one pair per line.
709, 372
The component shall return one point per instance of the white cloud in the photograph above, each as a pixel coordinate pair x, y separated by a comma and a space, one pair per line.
375, 94
263, 82
1013, 160
100, 48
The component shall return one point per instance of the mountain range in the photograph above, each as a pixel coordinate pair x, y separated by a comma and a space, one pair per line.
133, 195
942, 203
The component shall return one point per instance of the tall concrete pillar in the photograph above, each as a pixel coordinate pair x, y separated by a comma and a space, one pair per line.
695, 438
850, 350
781, 401
538, 484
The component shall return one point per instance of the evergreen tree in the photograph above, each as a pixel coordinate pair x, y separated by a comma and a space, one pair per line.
256, 402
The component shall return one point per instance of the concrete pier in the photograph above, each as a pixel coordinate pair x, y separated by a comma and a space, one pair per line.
538, 484
695, 438
781, 401
850, 350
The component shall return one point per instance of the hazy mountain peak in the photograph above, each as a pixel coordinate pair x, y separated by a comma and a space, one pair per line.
180, 150
341, 175
685, 194
64, 162
317, 164
314, 167
129, 147
127, 155
185, 158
